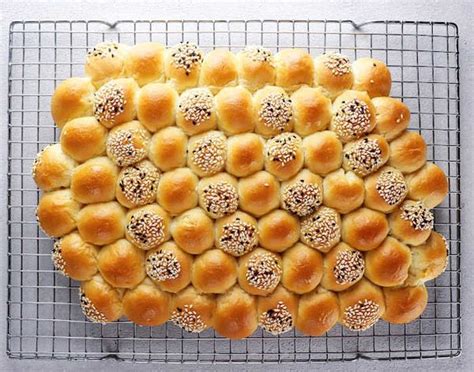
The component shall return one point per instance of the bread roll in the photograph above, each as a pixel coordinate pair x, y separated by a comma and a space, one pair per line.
218, 70
177, 191
294, 68
94, 181
333, 73
366, 155
387, 265
146, 305
169, 267
353, 115
114, 102
321, 230
303, 194
137, 184
392, 117
214, 272
411, 222
361, 306
385, 189
105, 62
278, 230
206, 153
302, 268
408, 152
343, 267
101, 223
312, 110
259, 193
193, 311
75, 258
100, 302
429, 184
364, 229
127, 144
168, 148
259, 272
273, 110
373, 76
235, 316
244, 154
183, 65
284, 155
256, 67
343, 191
52, 168
404, 305
318, 312
156, 106
218, 195
57, 212
234, 108
193, 231
83, 138
121, 264
322, 152
72, 98
145, 62
148, 226
237, 234
277, 312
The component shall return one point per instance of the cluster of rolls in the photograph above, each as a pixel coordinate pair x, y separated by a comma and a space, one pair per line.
239, 190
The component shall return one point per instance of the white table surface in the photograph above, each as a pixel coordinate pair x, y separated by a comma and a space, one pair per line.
460, 12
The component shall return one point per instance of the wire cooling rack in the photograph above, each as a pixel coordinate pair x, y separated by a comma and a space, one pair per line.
44, 317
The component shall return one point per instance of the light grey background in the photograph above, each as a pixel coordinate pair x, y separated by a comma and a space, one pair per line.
460, 12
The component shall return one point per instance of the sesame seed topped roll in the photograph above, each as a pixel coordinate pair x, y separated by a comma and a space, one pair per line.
366, 155
218, 70
105, 62
218, 195
411, 222
237, 234
144, 62
273, 110
207, 153
321, 230
385, 189
302, 194
193, 311
128, 143
333, 73
182, 65
284, 155
256, 67
196, 111
277, 312
294, 68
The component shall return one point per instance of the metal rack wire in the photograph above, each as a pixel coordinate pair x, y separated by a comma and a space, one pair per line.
44, 318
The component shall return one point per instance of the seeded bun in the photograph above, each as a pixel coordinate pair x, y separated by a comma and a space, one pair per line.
284, 155
303, 194
294, 68
218, 195
318, 312
177, 191
156, 106
214, 272
321, 230
372, 76
322, 152
404, 305
183, 65
333, 73
343, 191
218, 70
259, 193
277, 312
385, 189
408, 152
245, 154
236, 234
105, 62
366, 155
234, 107
429, 184
393, 117
278, 230
206, 153
193, 231
196, 112
411, 222
144, 62
256, 68
193, 311
312, 110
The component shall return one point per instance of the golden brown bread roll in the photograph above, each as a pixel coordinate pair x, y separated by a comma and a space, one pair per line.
122, 264
218, 70
364, 229
145, 62
318, 312
206, 153
218, 195
75, 258
392, 117
344, 266
408, 152
244, 154
234, 108
83, 138
385, 189
322, 152
100, 302
284, 155
73, 98
114, 102
404, 305
302, 268
321, 230
169, 267
294, 68
273, 111
183, 65
237, 234
256, 67
193, 231
196, 112
156, 106
148, 226
302, 194
168, 148
373, 76
278, 230
411, 222
146, 305
52, 168
101, 223
277, 312
177, 191
387, 265
333, 72
214, 272
137, 184
235, 316
57, 212
105, 61
127, 144
429, 184
361, 306
366, 155
343, 191
312, 110
94, 181
259, 272
259, 193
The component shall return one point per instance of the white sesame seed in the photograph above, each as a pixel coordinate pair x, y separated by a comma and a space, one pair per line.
107, 49
364, 157
122, 146
208, 154
352, 120
391, 186
277, 320
276, 111
263, 271
238, 237
138, 183
186, 56
420, 217
283, 148
337, 63
196, 105
189, 319
349, 266
162, 266
258, 54
220, 199
109, 102
89, 309
321, 230
57, 257
146, 229
362, 315
301, 198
